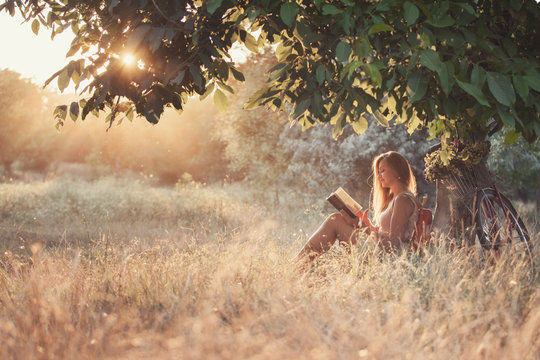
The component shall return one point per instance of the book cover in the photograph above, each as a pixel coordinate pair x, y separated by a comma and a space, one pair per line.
341, 200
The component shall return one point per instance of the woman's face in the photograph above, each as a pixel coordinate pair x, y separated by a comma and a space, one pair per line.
387, 175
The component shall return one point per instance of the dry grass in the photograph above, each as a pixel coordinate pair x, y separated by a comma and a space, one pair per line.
178, 286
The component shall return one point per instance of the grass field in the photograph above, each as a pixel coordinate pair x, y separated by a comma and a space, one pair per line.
117, 269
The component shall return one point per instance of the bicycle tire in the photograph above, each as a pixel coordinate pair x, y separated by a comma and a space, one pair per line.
501, 229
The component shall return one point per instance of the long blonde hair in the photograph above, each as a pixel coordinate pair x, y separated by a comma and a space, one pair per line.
381, 197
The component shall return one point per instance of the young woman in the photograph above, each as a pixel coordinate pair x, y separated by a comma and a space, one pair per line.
395, 208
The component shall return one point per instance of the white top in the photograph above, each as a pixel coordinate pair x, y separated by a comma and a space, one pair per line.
386, 217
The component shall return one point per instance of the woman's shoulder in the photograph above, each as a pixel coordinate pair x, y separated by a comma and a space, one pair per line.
402, 197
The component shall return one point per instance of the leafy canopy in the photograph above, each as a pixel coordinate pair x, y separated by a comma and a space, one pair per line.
459, 68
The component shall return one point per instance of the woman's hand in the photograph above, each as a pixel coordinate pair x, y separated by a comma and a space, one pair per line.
365, 223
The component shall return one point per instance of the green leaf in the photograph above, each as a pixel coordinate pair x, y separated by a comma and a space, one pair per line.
381, 119
468, 8
213, 5
320, 74
533, 79
349, 69
220, 100
416, 86
474, 91
510, 47
537, 129
506, 117
282, 52
251, 43
444, 78
360, 125
300, 108
226, 87
63, 80
521, 86
35, 26
340, 122
237, 74
256, 99
331, 10
196, 76
442, 22
501, 87
380, 28
374, 73
60, 112
130, 114
431, 60
74, 110
478, 76
362, 47
209, 90
511, 137
288, 12
411, 12
343, 51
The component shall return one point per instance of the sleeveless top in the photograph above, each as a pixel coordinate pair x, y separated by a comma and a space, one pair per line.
411, 222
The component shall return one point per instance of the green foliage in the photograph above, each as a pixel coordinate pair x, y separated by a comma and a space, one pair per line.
458, 158
515, 164
432, 64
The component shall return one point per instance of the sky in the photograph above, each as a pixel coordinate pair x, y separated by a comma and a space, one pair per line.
37, 57
34, 57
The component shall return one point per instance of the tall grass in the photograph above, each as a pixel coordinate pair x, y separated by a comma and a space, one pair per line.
140, 272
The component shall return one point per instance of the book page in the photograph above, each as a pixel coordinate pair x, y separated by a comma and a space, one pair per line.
348, 200
343, 201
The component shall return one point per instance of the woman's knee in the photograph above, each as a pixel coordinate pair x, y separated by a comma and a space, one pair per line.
334, 218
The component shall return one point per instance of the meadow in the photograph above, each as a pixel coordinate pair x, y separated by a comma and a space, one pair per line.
124, 269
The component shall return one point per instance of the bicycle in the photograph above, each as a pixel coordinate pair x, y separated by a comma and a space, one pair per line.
496, 222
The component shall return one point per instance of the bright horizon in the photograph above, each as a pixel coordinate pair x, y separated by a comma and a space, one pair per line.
34, 57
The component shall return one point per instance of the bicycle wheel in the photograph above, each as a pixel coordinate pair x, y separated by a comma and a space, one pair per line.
498, 225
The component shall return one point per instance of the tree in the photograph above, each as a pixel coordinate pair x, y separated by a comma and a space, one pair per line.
251, 137
23, 109
517, 167
449, 66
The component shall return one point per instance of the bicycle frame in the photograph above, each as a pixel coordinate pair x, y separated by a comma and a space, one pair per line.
489, 211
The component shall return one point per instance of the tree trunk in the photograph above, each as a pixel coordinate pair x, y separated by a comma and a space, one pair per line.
451, 217
441, 216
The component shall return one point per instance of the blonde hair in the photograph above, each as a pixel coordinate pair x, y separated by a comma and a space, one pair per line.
381, 197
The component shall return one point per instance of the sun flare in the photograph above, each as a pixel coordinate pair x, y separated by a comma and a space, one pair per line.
128, 59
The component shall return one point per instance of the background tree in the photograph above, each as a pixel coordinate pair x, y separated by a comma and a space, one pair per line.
316, 157
251, 137
517, 167
26, 135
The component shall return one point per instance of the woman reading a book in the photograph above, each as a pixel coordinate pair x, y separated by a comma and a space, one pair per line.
395, 208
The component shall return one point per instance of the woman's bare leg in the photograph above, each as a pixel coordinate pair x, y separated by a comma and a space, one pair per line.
325, 236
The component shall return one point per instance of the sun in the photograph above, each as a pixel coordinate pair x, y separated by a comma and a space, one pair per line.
128, 59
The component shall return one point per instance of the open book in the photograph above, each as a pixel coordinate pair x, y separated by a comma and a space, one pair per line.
343, 201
